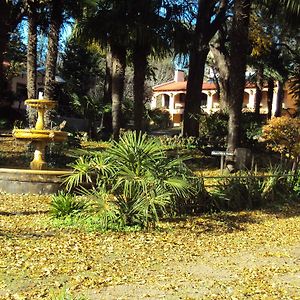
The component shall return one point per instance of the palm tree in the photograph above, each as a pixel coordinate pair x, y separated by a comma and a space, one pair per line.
118, 54
109, 24
32, 14
237, 64
145, 24
56, 20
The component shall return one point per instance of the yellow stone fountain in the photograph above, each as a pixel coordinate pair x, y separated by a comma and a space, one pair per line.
38, 179
39, 135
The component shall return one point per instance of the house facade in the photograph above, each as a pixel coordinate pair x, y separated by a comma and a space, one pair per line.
171, 96
18, 85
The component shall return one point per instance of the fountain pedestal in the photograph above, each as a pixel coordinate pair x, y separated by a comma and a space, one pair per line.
38, 162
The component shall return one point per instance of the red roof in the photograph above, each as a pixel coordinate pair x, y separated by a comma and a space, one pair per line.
180, 86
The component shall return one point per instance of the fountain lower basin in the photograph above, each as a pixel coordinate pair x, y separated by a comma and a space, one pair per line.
25, 181
46, 135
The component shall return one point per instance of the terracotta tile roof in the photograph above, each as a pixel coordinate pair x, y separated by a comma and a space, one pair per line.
170, 86
180, 86
250, 85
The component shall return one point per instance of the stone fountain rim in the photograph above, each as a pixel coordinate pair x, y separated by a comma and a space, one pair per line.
36, 172
27, 181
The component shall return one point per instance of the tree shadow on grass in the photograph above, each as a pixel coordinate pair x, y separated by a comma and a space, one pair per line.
23, 213
222, 222
226, 222
26, 234
283, 210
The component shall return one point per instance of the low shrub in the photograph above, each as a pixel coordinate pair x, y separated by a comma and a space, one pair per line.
249, 191
133, 182
251, 130
159, 118
282, 135
213, 129
237, 193
296, 184
65, 204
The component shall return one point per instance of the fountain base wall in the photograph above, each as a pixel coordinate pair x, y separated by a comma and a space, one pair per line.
24, 181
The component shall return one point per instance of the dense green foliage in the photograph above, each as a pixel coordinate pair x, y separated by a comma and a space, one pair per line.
131, 183
135, 182
82, 69
213, 129
159, 119
247, 191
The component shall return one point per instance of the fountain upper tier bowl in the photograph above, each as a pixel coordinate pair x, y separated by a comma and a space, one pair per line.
41, 103
46, 135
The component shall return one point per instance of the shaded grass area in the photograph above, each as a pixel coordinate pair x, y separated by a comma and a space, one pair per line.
228, 255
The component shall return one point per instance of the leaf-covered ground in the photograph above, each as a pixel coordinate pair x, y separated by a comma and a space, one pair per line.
247, 255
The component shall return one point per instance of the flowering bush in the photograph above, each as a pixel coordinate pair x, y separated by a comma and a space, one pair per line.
282, 135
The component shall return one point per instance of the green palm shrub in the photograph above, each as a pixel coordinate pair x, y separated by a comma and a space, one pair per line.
64, 204
137, 179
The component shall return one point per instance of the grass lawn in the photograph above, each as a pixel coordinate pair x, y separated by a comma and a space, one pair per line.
245, 255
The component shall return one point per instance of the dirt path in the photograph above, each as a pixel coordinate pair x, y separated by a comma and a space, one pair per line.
247, 255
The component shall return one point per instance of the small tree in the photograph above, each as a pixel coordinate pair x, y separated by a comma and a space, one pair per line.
283, 135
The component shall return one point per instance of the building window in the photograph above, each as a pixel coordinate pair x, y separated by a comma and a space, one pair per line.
181, 98
167, 101
203, 100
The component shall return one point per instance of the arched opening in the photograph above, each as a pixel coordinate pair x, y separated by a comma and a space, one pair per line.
179, 100
166, 101
203, 100
246, 100
264, 101
215, 100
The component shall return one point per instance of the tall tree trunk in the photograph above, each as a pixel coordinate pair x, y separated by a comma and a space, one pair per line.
221, 59
207, 25
194, 89
118, 76
4, 40
107, 119
32, 56
279, 99
56, 20
108, 77
237, 69
270, 96
31, 61
258, 89
140, 64
198, 56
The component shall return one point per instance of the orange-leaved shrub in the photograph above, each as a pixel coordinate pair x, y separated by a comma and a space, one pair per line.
282, 135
